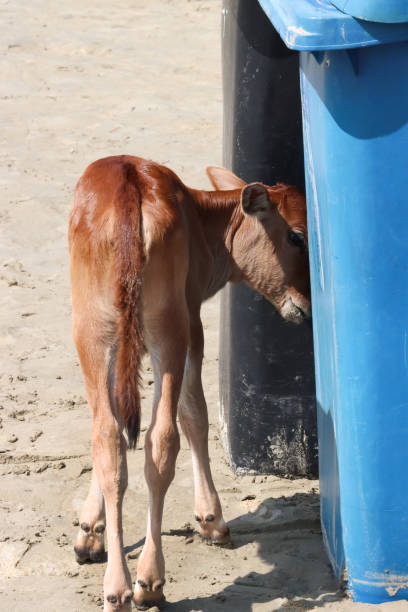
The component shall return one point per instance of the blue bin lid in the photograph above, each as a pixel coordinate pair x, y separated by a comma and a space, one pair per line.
312, 25
390, 11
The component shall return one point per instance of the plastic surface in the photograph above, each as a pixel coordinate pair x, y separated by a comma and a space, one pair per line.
311, 25
355, 108
267, 389
388, 11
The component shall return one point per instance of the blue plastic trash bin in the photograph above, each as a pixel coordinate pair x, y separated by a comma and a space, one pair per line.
354, 80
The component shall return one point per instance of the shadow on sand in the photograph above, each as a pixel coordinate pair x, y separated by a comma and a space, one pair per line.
289, 540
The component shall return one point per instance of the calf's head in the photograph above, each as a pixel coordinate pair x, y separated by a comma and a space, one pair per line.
270, 246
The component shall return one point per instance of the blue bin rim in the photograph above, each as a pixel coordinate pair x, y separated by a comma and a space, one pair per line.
391, 11
314, 25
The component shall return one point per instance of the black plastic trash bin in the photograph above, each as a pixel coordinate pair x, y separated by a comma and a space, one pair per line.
267, 388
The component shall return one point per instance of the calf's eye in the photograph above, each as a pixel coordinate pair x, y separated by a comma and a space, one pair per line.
297, 239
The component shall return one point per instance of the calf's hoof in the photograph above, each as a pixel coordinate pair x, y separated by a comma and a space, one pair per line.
214, 532
217, 540
89, 544
118, 602
148, 595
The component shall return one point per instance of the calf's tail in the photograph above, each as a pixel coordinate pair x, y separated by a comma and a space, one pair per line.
129, 263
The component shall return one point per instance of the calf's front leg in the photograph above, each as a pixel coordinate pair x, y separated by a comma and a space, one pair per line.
89, 543
194, 422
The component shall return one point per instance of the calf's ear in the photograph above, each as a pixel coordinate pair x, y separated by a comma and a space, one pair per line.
255, 201
223, 179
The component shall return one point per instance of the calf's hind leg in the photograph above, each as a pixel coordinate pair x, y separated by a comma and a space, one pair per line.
109, 465
167, 346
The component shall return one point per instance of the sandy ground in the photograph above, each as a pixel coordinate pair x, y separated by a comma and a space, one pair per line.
82, 80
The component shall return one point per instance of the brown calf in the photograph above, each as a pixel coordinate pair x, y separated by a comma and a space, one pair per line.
146, 251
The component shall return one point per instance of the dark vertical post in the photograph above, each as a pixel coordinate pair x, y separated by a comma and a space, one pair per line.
266, 365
